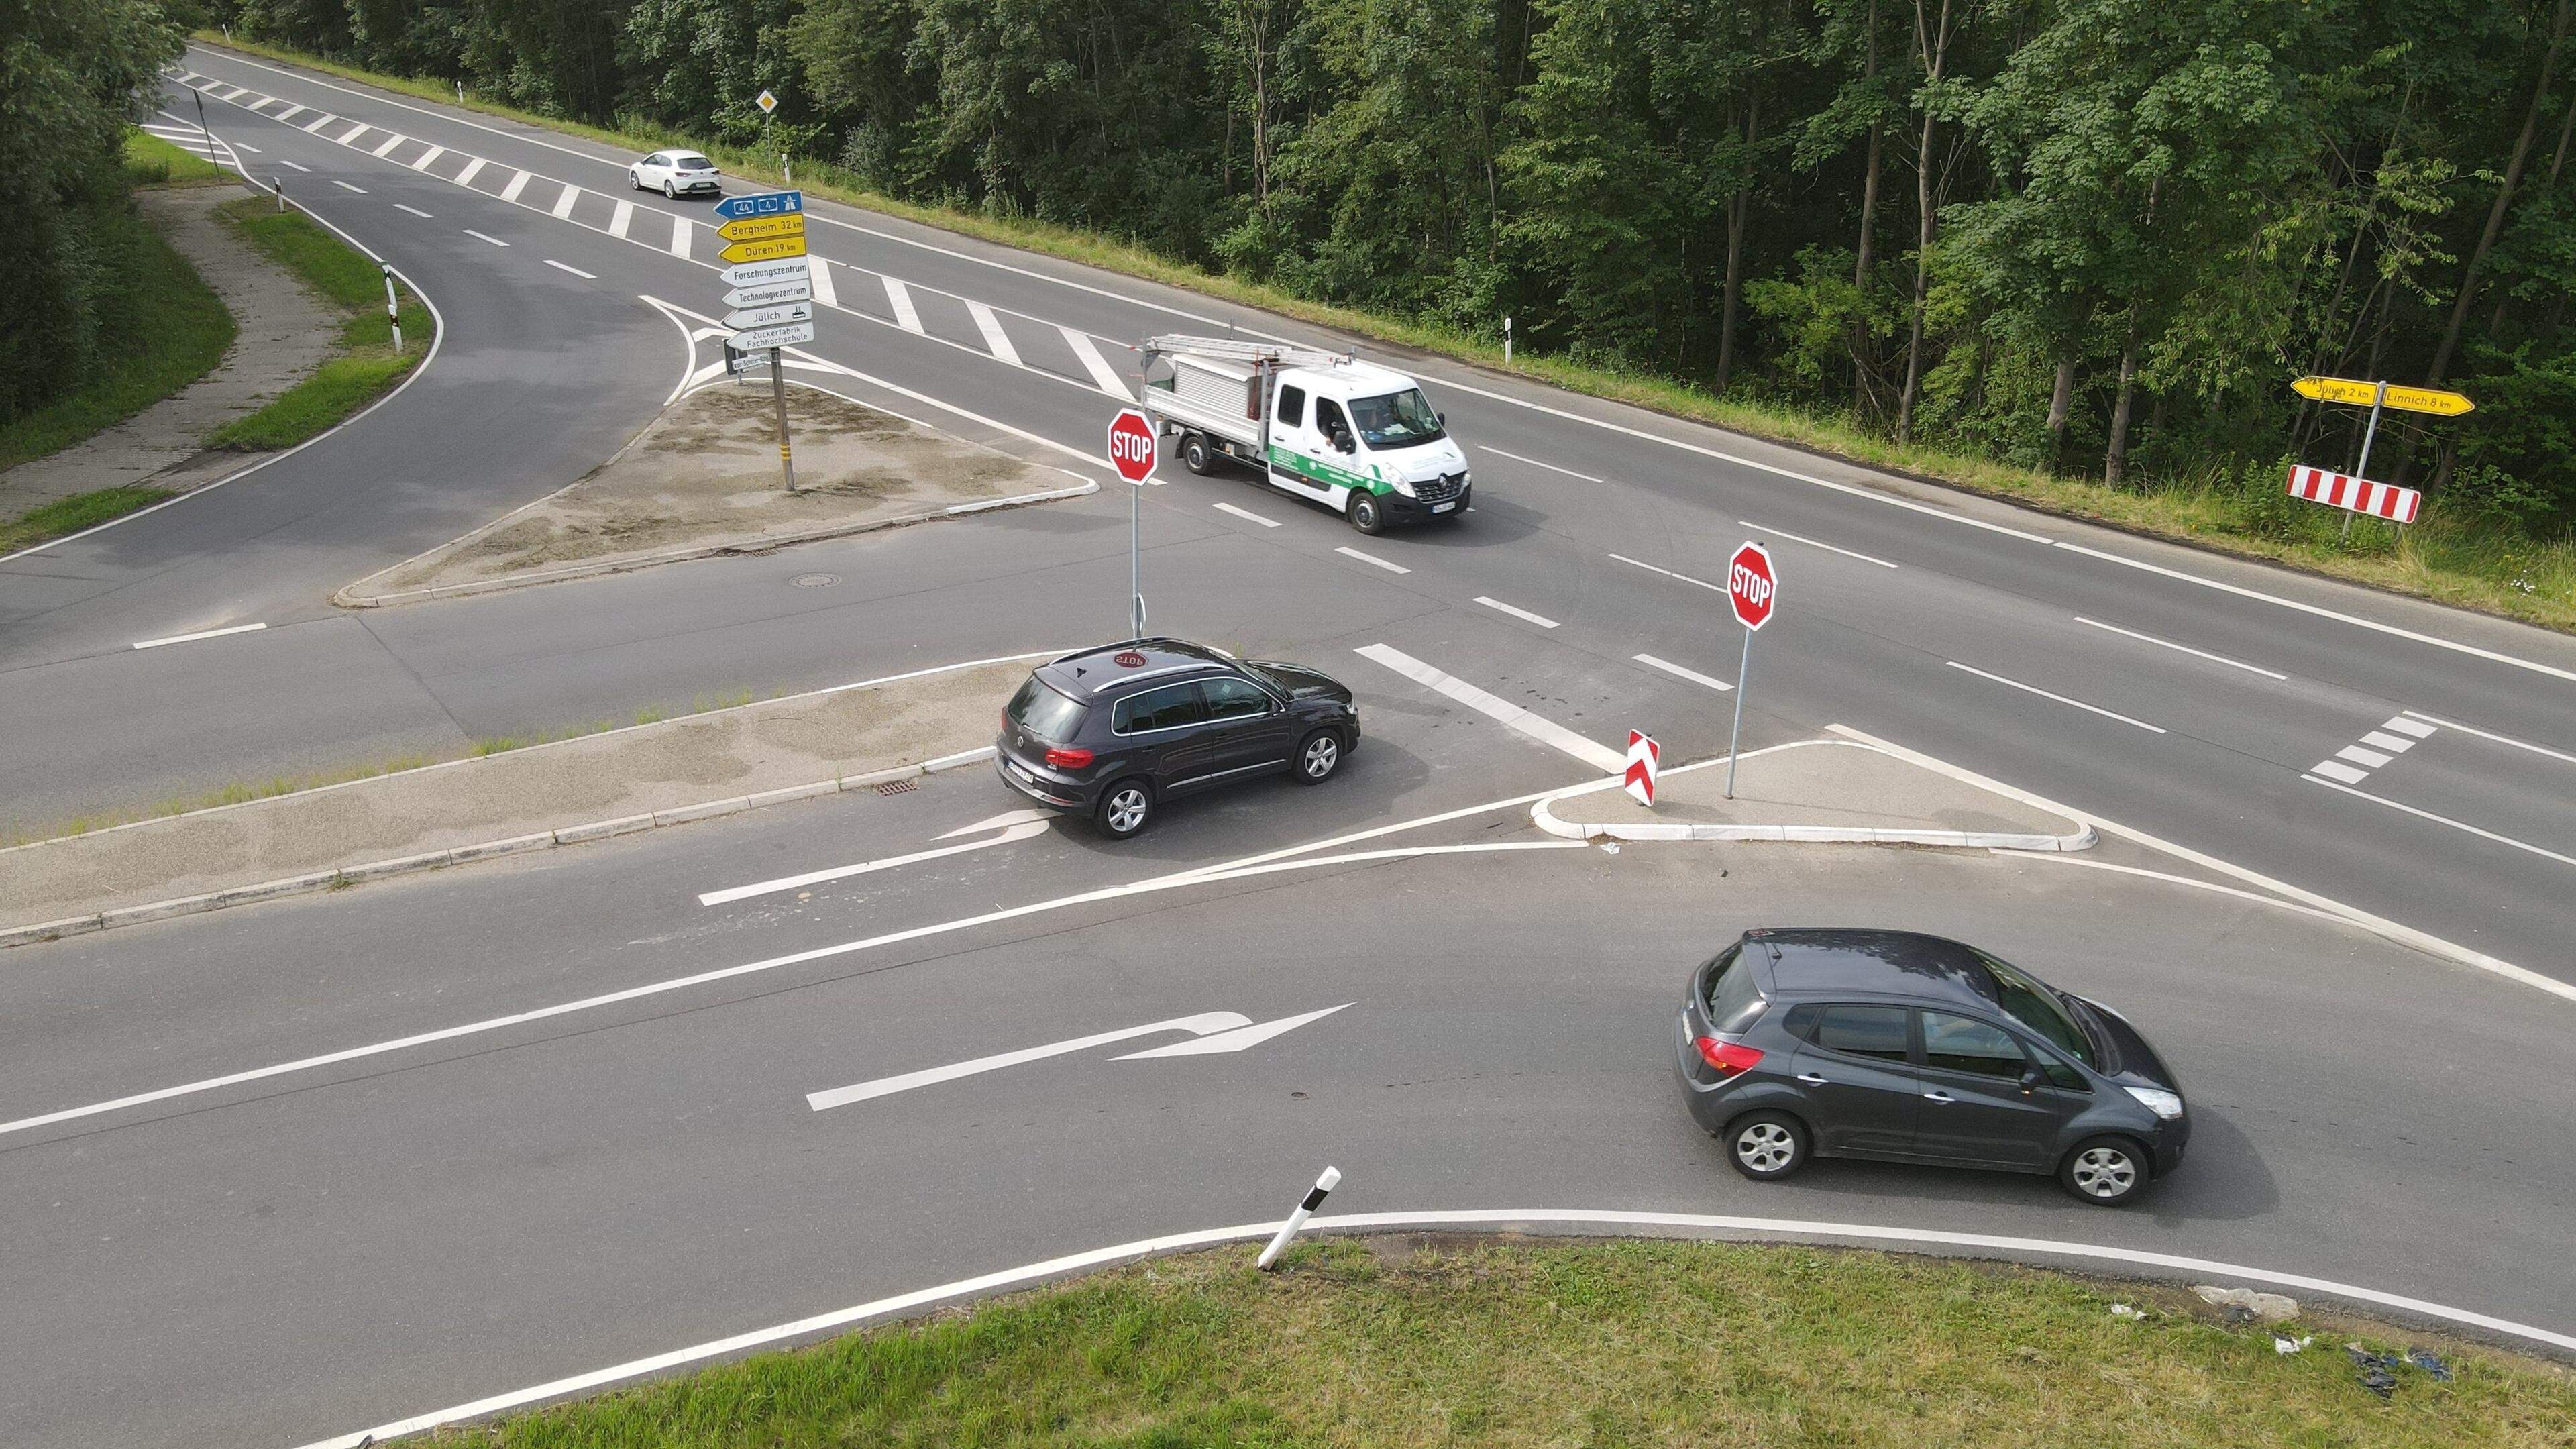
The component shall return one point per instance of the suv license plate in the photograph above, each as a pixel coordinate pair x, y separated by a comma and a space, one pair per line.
1442, 507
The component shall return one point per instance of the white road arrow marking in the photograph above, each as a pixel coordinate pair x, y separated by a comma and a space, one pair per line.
1218, 1031
1015, 825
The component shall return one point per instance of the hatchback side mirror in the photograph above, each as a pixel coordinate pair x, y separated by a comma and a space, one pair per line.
2031, 1078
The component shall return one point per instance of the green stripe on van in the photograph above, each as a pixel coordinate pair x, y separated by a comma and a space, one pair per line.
1316, 470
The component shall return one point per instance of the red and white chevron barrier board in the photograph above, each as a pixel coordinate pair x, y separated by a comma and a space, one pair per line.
2360, 495
1644, 755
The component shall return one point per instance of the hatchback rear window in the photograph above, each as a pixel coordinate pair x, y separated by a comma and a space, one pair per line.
1734, 1002
693, 163
1043, 712
1861, 1031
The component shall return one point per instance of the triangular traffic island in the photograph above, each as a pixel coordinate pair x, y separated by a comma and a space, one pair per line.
1818, 791
703, 479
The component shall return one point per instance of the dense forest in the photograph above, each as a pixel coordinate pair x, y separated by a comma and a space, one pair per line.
2091, 236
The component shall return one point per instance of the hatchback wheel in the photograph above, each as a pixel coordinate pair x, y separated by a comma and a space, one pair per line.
2104, 1171
670, 191
1766, 1145
1318, 757
1196, 455
1366, 515
1124, 809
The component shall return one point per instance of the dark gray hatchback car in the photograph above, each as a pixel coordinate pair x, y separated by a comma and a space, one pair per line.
1909, 1048
1109, 733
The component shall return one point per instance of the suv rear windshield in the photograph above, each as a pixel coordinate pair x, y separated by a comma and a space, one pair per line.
1043, 712
2031, 1004
1733, 1001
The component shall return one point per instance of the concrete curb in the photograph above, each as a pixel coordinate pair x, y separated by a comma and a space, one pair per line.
347, 875
347, 599
2081, 838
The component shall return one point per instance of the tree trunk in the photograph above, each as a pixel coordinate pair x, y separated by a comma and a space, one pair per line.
1933, 48
2115, 462
2504, 196
1736, 207
2061, 401
1862, 393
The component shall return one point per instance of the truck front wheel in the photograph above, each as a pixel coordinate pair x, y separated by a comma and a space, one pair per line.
1196, 455
1366, 516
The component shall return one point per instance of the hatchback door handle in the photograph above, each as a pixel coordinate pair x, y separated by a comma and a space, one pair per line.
1937, 1097
1812, 1079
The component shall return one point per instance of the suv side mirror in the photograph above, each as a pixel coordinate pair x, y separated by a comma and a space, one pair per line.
2031, 1079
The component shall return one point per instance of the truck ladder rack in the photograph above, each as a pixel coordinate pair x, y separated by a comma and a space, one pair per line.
1236, 349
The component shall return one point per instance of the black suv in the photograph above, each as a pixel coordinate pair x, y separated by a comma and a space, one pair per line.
1907, 1048
1109, 732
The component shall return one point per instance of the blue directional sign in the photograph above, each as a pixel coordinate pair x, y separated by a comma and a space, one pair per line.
766, 203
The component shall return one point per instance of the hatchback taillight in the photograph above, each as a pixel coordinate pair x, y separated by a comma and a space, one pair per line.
1075, 759
1726, 1058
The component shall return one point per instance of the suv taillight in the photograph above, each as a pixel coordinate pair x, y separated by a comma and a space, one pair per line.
1075, 759
1727, 1058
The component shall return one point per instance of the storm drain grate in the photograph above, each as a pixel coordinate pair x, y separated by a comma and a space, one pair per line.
893, 787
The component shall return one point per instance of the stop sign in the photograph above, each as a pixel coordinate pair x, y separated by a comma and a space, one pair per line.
1131, 446
1751, 585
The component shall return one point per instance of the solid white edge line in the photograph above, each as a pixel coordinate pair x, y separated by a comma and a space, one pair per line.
2490, 735
1370, 558
1794, 1229
200, 634
2442, 820
437, 339
2404, 935
1540, 620
576, 271
1812, 543
1852, 490
2061, 699
2183, 648
1535, 463
1246, 513
1693, 675
2257, 897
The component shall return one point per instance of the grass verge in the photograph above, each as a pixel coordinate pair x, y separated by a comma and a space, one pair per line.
1602, 1344
66, 516
151, 161
367, 363
160, 328
2455, 562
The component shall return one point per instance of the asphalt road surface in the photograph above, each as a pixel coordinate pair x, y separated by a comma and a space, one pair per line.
325, 1248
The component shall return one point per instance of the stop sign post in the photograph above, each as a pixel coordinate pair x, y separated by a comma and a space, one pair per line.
1753, 587
1131, 452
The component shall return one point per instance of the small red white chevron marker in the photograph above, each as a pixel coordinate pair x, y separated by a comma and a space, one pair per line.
1643, 757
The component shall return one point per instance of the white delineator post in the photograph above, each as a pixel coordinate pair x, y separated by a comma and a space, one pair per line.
393, 310
1324, 1185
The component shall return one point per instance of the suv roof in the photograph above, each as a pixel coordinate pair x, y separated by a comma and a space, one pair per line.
1810, 962
1091, 673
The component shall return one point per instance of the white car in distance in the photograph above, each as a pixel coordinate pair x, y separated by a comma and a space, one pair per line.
674, 174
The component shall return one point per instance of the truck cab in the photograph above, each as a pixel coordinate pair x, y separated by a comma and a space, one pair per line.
1360, 439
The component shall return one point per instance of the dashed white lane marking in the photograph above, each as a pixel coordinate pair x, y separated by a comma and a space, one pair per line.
414, 210
682, 230
995, 340
479, 236
390, 143
624, 218
2410, 726
1812, 543
2061, 699
1541, 620
432, 154
473, 168
290, 113
1668, 573
1693, 675
345, 186
1097, 365
1546, 731
1370, 558
576, 271
518, 183
826, 292
2184, 649
563, 203
200, 634
2440, 819
244, 146
1246, 513
1535, 463
2391, 739
282, 161
899, 297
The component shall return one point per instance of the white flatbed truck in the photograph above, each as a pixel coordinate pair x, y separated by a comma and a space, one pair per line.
1358, 438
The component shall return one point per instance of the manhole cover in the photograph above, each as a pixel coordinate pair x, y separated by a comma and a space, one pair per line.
815, 581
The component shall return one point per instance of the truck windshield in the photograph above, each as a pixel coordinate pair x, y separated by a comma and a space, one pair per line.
1398, 420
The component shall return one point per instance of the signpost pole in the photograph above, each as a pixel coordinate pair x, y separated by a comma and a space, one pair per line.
2378, 400
778, 393
207, 136
1736, 742
1135, 569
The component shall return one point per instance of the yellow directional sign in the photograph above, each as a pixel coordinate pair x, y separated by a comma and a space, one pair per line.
764, 251
762, 228
2362, 394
